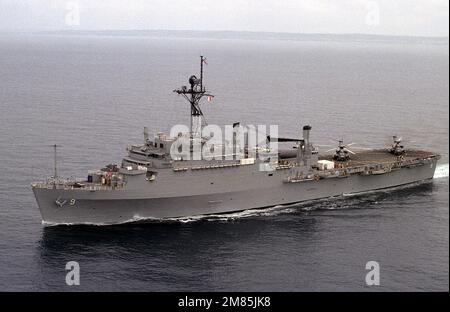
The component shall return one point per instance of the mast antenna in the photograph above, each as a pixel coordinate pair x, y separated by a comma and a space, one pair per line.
202, 60
193, 95
55, 174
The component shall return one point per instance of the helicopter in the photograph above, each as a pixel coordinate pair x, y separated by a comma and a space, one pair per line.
396, 148
342, 153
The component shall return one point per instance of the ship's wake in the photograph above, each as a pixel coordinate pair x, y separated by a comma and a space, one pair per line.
271, 211
441, 171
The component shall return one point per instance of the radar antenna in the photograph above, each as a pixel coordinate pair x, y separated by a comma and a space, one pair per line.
193, 95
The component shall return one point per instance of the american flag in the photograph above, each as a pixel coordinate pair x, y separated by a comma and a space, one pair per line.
210, 98
204, 61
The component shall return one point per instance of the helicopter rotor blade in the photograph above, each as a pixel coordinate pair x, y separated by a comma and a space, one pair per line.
362, 148
394, 140
351, 152
330, 150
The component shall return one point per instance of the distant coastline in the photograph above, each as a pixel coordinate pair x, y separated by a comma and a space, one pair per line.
244, 35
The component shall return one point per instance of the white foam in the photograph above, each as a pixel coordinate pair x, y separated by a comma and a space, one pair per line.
271, 211
441, 171
135, 218
49, 223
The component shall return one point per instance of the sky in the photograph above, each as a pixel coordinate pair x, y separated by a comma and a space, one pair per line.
386, 17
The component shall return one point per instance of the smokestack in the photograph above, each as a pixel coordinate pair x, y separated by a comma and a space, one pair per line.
306, 130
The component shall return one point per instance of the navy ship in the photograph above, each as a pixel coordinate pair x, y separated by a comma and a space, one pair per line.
162, 179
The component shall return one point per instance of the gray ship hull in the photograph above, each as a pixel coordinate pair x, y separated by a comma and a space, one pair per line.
194, 194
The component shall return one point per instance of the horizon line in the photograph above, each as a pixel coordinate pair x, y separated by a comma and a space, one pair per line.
221, 31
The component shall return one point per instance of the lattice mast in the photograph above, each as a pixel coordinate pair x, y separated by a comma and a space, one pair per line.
193, 95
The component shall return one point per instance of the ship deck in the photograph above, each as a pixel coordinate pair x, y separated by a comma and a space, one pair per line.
380, 156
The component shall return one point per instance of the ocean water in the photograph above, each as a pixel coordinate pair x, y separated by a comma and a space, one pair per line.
94, 94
